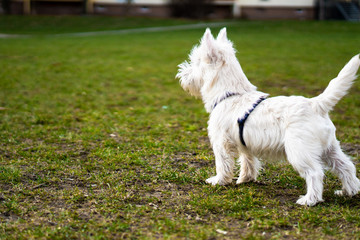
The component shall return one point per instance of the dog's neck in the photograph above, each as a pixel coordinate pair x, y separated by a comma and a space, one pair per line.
230, 79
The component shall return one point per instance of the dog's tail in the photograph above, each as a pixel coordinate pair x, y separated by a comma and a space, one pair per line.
338, 87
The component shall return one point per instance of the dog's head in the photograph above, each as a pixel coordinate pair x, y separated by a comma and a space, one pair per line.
205, 60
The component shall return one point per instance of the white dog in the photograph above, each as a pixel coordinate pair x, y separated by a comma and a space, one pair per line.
246, 125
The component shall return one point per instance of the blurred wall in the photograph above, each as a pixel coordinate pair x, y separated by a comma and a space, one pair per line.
248, 9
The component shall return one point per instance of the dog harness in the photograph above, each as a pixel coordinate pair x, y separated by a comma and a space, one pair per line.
227, 95
241, 121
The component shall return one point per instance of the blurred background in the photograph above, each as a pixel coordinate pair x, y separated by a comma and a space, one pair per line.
199, 9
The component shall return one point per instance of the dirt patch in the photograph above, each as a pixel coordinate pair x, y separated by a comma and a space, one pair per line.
351, 149
187, 158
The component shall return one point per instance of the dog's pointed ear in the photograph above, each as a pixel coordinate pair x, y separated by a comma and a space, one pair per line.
208, 38
222, 36
210, 44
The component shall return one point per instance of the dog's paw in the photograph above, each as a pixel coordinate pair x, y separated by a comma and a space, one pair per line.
339, 192
308, 201
346, 193
216, 180
245, 180
213, 180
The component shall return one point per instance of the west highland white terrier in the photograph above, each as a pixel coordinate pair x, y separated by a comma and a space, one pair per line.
246, 124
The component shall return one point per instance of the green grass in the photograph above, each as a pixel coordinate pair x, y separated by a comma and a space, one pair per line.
99, 141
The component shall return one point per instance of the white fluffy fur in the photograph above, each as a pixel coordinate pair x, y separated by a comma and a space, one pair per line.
296, 127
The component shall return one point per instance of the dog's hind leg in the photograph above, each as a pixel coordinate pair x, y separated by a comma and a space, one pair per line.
249, 168
307, 162
343, 167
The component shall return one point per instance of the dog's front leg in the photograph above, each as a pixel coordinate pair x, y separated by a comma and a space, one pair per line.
249, 168
224, 166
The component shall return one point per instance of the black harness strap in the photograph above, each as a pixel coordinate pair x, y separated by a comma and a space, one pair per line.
241, 121
227, 95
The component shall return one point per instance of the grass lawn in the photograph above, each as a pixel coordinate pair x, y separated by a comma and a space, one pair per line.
99, 141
